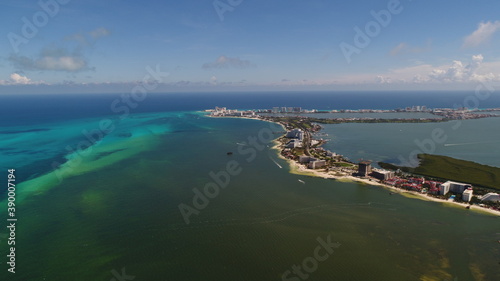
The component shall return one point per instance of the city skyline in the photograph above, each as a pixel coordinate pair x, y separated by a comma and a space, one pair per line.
237, 45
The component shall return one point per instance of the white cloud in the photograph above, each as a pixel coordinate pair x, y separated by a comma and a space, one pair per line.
454, 74
51, 59
417, 79
62, 63
409, 73
18, 79
227, 62
457, 72
482, 34
68, 59
383, 80
460, 72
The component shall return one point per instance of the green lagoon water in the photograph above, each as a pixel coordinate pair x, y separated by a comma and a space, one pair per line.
119, 210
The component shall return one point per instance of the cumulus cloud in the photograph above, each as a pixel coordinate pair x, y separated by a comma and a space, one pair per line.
460, 72
227, 62
417, 79
482, 34
383, 80
18, 79
476, 70
51, 59
62, 59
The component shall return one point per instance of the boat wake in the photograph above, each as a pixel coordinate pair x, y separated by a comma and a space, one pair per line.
277, 164
469, 143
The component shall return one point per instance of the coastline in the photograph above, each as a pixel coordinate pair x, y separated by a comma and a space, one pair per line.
298, 169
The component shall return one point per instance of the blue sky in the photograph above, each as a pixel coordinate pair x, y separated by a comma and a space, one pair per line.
107, 46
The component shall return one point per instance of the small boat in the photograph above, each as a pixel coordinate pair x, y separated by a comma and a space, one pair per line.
302, 181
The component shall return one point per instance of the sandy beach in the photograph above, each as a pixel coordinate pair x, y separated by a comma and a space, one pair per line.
298, 169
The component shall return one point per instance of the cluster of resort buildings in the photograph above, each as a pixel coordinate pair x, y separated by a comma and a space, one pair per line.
312, 162
224, 112
365, 169
433, 187
420, 184
287, 110
296, 137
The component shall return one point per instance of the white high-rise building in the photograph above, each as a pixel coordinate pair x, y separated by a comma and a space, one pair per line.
495, 197
467, 195
455, 187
